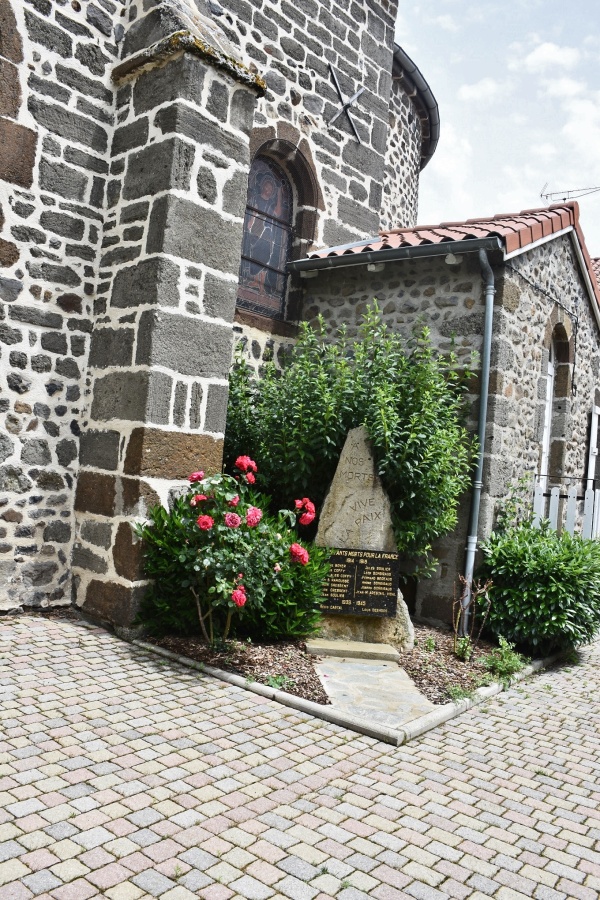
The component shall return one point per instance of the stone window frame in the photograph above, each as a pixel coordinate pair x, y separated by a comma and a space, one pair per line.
559, 335
307, 203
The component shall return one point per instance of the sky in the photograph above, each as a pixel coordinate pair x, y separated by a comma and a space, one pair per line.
518, 87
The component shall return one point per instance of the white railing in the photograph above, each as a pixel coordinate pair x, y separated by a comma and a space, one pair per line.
566, 508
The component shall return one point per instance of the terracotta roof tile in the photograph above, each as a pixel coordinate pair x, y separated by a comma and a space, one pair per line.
516, 231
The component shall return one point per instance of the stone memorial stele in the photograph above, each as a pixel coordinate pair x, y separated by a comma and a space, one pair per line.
356, 515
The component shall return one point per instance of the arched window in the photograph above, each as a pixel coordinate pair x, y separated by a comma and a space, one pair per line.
267, 240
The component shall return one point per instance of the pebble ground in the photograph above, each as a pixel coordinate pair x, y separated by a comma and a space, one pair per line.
126, 776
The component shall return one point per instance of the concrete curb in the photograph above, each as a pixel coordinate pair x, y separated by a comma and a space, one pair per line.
395, 736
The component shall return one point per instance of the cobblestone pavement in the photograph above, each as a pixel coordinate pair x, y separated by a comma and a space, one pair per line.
127, 776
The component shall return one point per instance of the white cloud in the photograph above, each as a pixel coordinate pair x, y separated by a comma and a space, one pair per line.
564, 87
486, 89
447, 22
546, 55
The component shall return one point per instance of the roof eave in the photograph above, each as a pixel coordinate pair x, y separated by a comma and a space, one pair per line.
419, 91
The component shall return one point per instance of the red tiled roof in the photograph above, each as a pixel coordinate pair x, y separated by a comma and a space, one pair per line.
515, 230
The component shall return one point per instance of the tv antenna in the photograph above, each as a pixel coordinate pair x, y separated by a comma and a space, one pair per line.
572, 194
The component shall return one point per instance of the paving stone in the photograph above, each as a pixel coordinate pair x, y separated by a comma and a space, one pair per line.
172, 772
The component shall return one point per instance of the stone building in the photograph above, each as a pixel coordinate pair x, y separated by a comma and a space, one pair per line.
129, 134
544, 390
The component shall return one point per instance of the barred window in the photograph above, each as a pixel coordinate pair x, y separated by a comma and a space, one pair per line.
267, 240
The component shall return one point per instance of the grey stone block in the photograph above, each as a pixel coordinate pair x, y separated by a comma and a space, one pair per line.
181, 228
51, 37
191, 123
68, 368
133, 396
59, 532
185, 345
99, 449
64, 225
241, 115
10, 289
234, 194
357, 215
84, 558
207, 186
99, 533
92, 57
219, 297
85, 160
159, 167
150, 281
14, 480
6, 447
9, 335
66, 452
54, 342
62, 275
135, 212
82, 84
97, 17
68, 124
60, 179
216, 408
128, 137
36, 452
218, 100
181, 79
17, 383
180, 404
111, 347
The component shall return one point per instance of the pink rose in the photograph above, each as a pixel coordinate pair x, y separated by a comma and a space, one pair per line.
253, 516
198, 498
196, 476
232, 520
245, 464
308, 507
234, 501
277, 567
299, 554
239, 596
205, 523
250, 478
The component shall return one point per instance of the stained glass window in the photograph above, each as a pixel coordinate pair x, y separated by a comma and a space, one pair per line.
267, 240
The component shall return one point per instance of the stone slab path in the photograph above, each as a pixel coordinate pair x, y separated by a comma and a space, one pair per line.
380, 692
126, 776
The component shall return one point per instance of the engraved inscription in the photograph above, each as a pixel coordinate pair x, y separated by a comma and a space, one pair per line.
363, 583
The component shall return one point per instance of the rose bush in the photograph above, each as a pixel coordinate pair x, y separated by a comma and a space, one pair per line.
219, 570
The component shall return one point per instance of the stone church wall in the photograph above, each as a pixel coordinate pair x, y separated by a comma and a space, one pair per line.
400, 199
121, 210
449, 299
57, 111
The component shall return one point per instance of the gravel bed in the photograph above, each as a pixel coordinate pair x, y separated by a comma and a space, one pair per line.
285, 665
435, 669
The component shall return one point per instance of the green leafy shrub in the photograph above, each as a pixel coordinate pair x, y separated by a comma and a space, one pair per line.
545, 594
408, 398
503, 662
219, 562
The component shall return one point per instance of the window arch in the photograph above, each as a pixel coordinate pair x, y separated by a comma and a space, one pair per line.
267, 240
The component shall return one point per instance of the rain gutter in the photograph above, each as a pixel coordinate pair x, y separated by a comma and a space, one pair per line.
394, 254
408, 73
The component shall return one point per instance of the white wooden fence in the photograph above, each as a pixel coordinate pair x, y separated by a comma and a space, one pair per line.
566, 509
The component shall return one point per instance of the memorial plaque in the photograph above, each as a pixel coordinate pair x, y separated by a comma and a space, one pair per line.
362, 583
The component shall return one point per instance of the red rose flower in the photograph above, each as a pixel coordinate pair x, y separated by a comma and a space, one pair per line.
245, 464
198, 498
250, 478
253, 516
234, 501
196, 476
308, 508
239, 596
299, 554
205, 523
232, 520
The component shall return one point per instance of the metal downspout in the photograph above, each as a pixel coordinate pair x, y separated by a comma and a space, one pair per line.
488, 277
